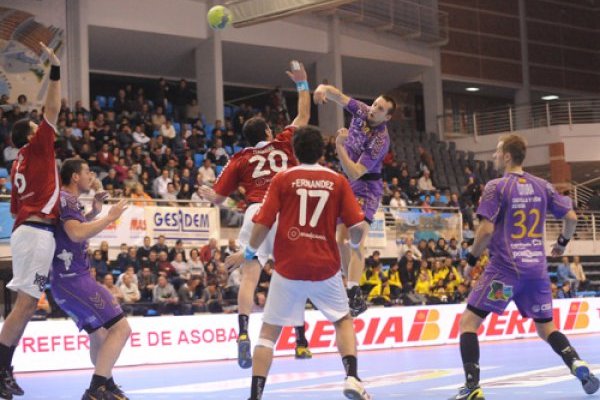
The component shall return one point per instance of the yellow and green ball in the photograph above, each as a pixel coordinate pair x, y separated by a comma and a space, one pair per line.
219, 17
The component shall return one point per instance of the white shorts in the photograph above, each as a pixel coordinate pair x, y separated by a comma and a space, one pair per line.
287, 300
32, 252
266, 248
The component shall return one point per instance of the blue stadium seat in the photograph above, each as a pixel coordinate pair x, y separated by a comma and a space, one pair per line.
8, 185
169, 110
3, 173
219, 169
198, 159
111, 101
227, 111
229, 150
237, 149
177, 127
156, 133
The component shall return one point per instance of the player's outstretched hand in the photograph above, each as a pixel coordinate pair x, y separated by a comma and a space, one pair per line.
557, 250
207, 193
342, 136
297, 73
50, 53
320, 95
99, 200
234, 261
117, 210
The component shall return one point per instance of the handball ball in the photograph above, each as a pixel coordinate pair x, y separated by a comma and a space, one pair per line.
219, 17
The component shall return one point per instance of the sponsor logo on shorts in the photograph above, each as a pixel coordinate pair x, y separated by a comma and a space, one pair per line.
499, 291
544, 307
40, 281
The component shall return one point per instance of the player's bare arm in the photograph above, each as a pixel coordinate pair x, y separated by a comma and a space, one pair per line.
353, 170
259, 233
323, 93
52, 105
82, 231
482, 237
568, 230
298, 74
210, 195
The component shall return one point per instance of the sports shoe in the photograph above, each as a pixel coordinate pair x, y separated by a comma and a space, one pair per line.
102, 393
589, 381
8, 381
116, 391
355, 390
356, 301
244, 353
303, 353
464, 393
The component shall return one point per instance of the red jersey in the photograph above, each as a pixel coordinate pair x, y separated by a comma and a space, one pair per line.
309, 200
254, 167
35, 179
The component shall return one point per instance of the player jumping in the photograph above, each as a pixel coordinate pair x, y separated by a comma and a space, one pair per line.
91, 306
361, 151
308, 200
513, 215
34, 204
253, 168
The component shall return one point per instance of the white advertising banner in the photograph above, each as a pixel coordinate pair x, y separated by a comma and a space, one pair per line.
207, 337
130, 228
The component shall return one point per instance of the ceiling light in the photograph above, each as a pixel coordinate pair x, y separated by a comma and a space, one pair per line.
472, 89
550, 97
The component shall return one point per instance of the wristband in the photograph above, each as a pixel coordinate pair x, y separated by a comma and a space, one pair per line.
562, 241
249, 253
472, 260
55, 73
302, 86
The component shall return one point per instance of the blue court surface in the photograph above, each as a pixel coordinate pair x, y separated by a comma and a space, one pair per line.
515, 370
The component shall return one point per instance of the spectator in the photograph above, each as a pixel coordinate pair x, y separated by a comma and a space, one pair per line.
160, 245
564, 273
129, 270
181, 266
10, 154
181, 99
140, 137
426, 205
425, 183
394, 281
453, 250
218, 155
413, 191
189, 299
164, 296
123, 257
373, 259
468, 234
158, 118
233, 284
565, 291
144, 251
461, 294
167, 130
472, 192
146, 283
99, 264
437, 201
178, 249
408, 245
196, 265
213, 297
425, 160
207, 252
143, 199
165, 268
577, 270
161, 184
105, 158
208, 173
423, 286
231, 248
109, 284
398, 203
130, 290
111, 181
171, 195
192, 111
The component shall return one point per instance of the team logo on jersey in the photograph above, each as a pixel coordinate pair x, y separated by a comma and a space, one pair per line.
293, 233
525, 189
40, 281
500, 292
67, 258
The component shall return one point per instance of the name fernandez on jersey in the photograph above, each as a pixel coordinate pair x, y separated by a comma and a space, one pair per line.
313, 184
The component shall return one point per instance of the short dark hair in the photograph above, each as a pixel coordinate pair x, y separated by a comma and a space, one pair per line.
516, 146
390, 100
70, 166
308, 144
255, 130
20, 132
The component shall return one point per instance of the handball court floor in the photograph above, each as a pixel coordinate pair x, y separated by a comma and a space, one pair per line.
516, 369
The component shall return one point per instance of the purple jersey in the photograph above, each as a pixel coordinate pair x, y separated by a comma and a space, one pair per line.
70, 258
517, 205
367, 146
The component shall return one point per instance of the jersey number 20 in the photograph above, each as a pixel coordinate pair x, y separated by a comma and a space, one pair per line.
260, 170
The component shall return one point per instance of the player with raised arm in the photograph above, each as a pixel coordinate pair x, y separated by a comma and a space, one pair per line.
513, 213
253, 168
88, 303
361, 150
34, 204
308, 200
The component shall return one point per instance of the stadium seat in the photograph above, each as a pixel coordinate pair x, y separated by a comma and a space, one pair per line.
229, 150
219, 169
237, 149
177, 127
102, 101
198, 159
111, 102
3, 173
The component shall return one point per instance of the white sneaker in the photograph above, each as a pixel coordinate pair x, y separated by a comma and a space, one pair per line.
355, 390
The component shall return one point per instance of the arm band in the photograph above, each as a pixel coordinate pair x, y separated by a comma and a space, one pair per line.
249, 253
562, 241
302, 86
55, 73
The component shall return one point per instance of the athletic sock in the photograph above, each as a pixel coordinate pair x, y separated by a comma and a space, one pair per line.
469, 351
11, 355
301, 336
5, 356
96, 382
351, 284
258, 387
560, 344
351, 366
243, 321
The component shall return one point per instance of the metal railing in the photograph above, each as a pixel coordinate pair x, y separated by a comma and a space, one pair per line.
512, 118
404, 18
